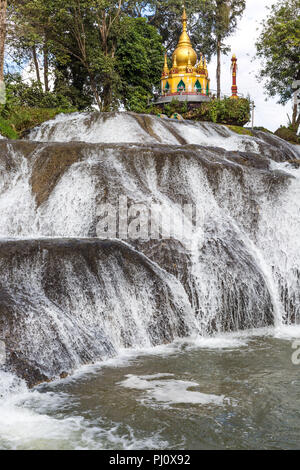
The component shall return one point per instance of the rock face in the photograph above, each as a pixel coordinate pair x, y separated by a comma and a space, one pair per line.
67, 302
225, 255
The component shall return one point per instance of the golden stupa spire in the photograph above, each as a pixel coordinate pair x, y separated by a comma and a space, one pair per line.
185, 71
184, 19
184, 47
184, 39
166, 68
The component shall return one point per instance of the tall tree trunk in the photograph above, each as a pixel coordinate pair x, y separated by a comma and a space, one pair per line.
36, 65
95, 91
46, 66
107, 95
3, 7
219, 68
296, 115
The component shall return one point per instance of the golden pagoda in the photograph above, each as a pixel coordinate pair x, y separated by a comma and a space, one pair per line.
188, 78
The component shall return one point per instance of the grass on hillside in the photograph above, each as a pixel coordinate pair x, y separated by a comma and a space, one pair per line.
20, 119
7, 130
240, 130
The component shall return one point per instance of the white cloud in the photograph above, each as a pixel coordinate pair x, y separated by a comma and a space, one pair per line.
268, 113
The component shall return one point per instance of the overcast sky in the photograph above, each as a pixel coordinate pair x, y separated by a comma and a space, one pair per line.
268, 113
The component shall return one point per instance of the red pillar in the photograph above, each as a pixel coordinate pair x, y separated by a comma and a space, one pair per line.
234, 87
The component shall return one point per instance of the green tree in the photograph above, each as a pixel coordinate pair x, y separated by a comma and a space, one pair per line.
140, 60
279, 48
93, 46
27, 36
82, 29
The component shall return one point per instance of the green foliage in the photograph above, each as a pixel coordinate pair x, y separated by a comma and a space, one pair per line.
139, 61
28, 106
23, 118
174, 107
278, 47
227, 111
31, 95
104, 51
288, 134
6, 129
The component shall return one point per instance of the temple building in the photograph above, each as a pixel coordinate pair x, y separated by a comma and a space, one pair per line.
188, 78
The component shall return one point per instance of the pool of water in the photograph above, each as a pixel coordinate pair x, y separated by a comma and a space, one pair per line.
235, 391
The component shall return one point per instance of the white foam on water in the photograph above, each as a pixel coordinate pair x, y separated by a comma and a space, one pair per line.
287, 332
126, 128
33, 420
163, 389
23, 427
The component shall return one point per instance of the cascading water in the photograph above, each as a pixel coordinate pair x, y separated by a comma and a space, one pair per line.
68, 299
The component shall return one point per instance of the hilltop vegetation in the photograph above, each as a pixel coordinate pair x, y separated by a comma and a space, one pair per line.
225, 111
27, 106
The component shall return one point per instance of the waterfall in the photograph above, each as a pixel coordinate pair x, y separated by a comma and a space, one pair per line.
231, 261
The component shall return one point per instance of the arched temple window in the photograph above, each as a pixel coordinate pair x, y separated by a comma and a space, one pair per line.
207, 89
167, 87
181, 86
198, 86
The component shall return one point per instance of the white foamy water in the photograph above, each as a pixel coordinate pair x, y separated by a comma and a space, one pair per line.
131, 128
237, 264
237, 269
163, 389
34, 420
55, 416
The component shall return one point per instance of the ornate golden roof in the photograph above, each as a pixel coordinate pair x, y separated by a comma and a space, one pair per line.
184, 53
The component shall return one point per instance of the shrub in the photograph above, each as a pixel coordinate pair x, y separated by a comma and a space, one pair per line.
288, 134
226, 111
20, 93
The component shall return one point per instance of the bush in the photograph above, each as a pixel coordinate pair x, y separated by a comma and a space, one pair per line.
20, 93
138, 100
27, 106
234, 112
175, 107
288, 134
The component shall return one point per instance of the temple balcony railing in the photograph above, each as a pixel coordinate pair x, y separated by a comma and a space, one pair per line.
211, 95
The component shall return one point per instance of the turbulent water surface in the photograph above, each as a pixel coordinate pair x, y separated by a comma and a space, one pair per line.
191, 330
226, 392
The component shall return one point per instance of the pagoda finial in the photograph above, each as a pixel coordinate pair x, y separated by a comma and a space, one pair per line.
184, 18
166, 68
